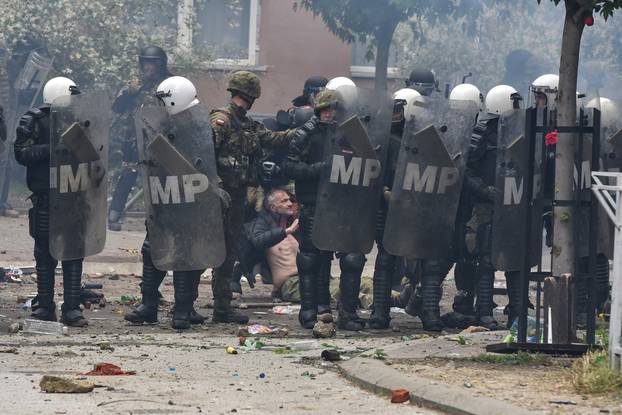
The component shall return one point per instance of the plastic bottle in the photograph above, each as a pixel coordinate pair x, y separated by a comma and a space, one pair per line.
44, 327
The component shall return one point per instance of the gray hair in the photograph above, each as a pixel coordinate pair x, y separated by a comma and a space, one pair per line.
270, 198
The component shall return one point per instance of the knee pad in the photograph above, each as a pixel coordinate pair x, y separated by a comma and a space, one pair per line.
352, 262
307, 261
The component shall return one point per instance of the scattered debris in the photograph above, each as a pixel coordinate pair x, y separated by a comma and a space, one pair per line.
44, 327
323, 330
331, 355
55, 384
231, 350
305, 345
256, 329
130, 300
286, 310
560, 402
108, 369
12, 350
400, 396
474, 329
13, 328
468, 385
106, 345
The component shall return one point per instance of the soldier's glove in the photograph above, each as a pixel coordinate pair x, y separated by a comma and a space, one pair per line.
225, 197
269, 169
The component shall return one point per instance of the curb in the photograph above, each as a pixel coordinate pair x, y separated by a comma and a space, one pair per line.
380, 378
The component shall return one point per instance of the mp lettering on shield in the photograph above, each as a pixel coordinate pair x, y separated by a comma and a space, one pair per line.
171, 190
67, 180
358, 172
433, 179
513, 189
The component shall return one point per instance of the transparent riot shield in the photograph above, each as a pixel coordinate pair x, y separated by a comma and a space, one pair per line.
428, 180
351, 183
512, 202
184, 212
79, 127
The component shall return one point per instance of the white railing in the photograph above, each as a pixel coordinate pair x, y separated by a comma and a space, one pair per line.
610, 198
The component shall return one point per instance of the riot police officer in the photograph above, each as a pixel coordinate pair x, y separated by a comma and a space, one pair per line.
239, 142
172, 242
385, 266
463, 312
480, 183
304, 164
152, 63
32, 149
422, 80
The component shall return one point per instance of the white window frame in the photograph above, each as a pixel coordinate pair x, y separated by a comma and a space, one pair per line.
359, 71
185, 35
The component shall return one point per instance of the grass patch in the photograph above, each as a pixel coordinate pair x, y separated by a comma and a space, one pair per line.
520, 358
592, 375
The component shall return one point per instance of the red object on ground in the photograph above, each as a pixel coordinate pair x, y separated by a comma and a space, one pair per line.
551, 138
589, 20
108, 369
400, 396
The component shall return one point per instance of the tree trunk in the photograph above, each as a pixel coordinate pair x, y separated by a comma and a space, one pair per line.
563, 242
384, 36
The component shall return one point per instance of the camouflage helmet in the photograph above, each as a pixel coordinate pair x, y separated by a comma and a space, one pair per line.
325, 99
246, 83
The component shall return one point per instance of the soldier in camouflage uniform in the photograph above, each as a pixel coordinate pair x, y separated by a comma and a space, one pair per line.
152, 62
238, 143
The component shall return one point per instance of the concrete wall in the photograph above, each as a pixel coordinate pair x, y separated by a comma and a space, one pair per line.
293, 45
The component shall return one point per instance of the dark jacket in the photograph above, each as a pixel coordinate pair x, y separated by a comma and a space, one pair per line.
304, 163
261, 233
32, 147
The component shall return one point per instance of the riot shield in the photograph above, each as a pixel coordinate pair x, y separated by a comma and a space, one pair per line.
512, 203
428, 180
27, 86
351, 182
184, 213
79, 127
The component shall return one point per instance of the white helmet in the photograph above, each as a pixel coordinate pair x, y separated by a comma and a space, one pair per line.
58, 87
409, 98
547, 85
467, 92
500, 99
339, 82
178, 94
609, 111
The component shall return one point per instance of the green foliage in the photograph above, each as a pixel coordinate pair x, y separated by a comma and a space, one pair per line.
604, 7
95, 42
520, 358
592, 374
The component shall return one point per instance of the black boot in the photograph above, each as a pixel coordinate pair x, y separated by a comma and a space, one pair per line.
323, 285
223, 313
147, 311
114, 221
383, 274
349, 285
195, 317
182, 283
512, 282
43, 307
308, 276
415, 302
72, 282
484, 305
432, 292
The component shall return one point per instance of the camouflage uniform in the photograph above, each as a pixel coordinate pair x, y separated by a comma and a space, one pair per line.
238, 141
